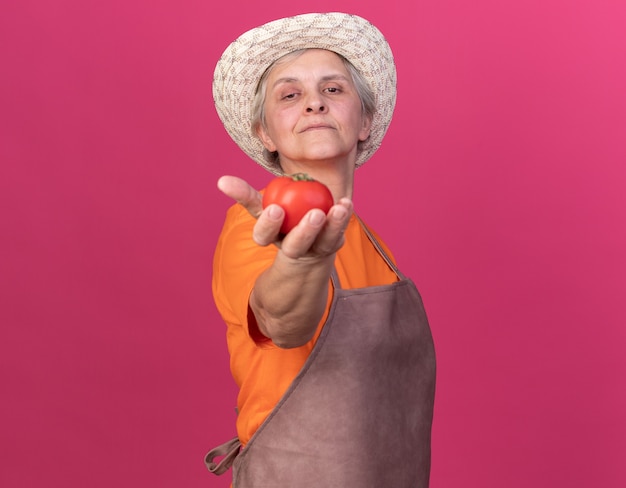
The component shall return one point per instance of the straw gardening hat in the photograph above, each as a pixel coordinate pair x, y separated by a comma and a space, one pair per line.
243, 63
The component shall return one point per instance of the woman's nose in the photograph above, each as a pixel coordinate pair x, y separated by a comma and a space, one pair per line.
315, 105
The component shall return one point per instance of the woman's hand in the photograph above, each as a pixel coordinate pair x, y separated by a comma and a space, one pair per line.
289, 298
316, 235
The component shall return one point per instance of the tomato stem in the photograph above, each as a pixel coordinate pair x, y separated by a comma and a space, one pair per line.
301, 177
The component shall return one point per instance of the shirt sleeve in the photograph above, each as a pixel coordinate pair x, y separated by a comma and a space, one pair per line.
237, 263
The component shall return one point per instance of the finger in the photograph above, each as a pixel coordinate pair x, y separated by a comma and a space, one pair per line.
240, 191
298, 242
267, 228
331, 238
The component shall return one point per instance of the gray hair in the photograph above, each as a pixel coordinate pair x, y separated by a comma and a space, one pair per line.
365, 92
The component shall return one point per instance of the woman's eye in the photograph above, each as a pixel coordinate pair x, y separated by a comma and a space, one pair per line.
332, 89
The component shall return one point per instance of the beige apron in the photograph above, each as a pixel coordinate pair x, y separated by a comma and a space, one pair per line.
359, 414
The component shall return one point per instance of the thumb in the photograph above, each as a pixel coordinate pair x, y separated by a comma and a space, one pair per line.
240, 191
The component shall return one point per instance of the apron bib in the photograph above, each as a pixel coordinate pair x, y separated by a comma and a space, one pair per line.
359, 413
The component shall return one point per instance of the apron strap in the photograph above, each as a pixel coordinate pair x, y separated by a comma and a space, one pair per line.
380, 250
334, 278
230, 450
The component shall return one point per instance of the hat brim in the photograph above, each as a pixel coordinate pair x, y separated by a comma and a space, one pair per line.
242, 64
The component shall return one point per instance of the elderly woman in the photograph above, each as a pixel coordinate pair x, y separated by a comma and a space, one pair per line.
329, 342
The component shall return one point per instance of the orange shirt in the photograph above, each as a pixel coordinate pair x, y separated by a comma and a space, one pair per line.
263, 371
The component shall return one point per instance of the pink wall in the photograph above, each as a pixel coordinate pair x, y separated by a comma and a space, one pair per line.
500, 186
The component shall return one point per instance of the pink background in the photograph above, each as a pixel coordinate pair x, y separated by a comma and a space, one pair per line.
500, 187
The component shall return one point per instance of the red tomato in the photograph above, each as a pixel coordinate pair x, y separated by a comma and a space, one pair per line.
297, 194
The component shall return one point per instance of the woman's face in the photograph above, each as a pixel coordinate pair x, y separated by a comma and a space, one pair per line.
313, 113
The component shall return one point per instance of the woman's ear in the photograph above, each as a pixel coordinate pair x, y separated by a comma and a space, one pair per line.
265, 138
364, 133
